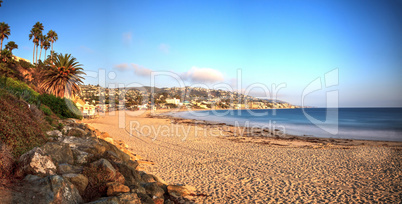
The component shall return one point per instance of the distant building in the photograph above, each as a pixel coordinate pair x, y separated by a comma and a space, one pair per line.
20, 58
173, 101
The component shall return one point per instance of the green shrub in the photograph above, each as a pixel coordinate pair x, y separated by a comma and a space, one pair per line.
60, 126
62, 107
46, 110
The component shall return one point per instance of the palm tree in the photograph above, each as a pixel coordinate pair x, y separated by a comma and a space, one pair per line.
63, 77
1, 1
36, 31
42, 41
52, 35
46, 46
4, 33
11, 46
32, 35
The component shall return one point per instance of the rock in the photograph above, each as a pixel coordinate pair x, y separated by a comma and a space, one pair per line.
105, 165
131, 176
69, 169
60, 152
80, 156
109, 139
179, 191
89, 145
159, 200
125, 198
66, 129
129, 198
111, 156
36, 162
110, 147
54, 189
80, 181
153, 189
54, 133
147, 178
137, 189
115, 188
145, 198
76, 132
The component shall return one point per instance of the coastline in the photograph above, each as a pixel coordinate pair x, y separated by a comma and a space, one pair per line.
265, 136
238, 169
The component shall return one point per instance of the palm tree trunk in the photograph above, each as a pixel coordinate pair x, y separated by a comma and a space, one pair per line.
1, 48
44, 59
51, 53
40, 53
33, 55
36, 58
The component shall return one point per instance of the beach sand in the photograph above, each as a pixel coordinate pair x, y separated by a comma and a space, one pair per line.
229, 168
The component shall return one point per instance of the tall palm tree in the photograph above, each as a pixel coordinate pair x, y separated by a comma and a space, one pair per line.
4, 33
37, 30
42, 41
52, 35
63, 77
32, 35
11, 46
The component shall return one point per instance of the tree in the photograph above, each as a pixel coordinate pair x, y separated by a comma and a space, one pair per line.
52, 35
1, 1
36, 31
4, 33
11, 46
42, 41
46, 46
63, 77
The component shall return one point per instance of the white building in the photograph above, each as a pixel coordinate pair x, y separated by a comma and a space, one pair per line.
173, 101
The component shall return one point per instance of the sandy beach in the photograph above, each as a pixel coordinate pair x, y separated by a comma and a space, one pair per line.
229, 168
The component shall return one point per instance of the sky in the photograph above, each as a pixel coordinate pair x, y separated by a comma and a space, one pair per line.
345, 53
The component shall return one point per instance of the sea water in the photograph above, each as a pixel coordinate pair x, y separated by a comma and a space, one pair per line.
347, 123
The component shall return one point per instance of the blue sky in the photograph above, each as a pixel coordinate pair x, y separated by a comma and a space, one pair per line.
271, 42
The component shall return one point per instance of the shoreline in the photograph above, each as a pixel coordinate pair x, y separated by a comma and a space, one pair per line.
258, 135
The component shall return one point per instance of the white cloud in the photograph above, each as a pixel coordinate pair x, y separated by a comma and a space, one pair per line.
207, 75
127, 38
165, 48
141, 71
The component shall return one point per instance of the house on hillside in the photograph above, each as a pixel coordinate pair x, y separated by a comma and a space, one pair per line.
86, 109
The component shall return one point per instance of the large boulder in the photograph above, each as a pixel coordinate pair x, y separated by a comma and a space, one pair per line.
104, 165
54, 189
131, 175
36, 162
89, 145
60, 152
80, 181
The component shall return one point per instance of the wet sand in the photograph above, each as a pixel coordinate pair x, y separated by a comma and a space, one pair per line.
259, 166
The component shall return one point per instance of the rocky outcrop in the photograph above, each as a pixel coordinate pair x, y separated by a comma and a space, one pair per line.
92, 168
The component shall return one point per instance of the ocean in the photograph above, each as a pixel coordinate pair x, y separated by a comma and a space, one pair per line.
383, 124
